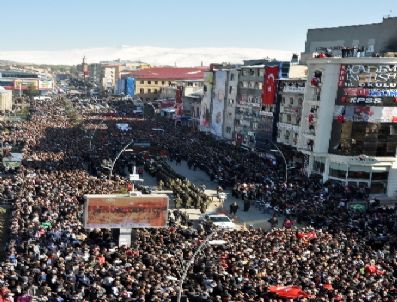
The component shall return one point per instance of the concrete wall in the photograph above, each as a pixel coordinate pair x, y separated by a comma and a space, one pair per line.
327, 103
379, 37
230, 105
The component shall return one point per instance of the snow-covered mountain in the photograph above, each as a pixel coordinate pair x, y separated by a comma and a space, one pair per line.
151, 55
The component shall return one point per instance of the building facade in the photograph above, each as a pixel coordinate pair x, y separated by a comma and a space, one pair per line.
291, 93
5, 100
249, 105
375, 38
348, 129
150, 82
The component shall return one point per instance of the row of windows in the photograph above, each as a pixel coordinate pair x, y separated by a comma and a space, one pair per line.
291, 101
142, 91
260, 72
155, 82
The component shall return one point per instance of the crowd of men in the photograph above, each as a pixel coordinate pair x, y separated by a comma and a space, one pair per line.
49, 255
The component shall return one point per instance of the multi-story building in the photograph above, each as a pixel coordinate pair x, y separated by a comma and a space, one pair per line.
150, 82
26, 82
218, 104
348, 129
5, 99
290, 112
230, 104
249, 104
95, 72
108, 78
256, 110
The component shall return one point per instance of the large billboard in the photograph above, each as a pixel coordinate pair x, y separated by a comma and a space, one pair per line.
269, 85
374, 85
205, 110
218, 102
120, 211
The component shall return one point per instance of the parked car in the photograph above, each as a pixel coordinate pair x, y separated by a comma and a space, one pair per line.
219, 220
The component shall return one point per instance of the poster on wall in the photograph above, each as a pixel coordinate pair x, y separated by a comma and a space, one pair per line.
269, 85
218, 103
205, 110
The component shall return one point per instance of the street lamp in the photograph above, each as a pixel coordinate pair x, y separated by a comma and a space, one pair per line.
117, 157
277, 150
93, 133
189, 263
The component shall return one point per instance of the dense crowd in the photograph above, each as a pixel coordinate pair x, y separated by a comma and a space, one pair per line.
346, 256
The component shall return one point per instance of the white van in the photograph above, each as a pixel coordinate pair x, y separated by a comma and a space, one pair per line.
42, 98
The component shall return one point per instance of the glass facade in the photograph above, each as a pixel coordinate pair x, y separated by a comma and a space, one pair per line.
356, 138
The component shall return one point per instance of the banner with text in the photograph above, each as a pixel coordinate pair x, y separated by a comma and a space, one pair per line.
118, 211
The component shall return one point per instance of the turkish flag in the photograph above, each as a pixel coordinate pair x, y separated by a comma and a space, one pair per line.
269, 85
290, 292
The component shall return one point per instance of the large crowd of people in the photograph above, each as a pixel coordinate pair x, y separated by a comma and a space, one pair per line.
341, 255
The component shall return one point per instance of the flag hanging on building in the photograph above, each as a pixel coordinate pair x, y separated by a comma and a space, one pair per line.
269, 85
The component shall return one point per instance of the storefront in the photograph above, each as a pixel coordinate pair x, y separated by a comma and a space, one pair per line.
355, 172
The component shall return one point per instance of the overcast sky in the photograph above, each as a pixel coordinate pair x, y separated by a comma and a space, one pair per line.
59, 25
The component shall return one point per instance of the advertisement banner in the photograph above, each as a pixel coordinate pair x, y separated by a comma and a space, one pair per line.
269, 85
46, 85
130, 85
26, 84
370, 114
374, 85
205, 109
218, 102
120, 211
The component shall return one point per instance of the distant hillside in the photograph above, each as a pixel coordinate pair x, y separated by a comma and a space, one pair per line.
151, 55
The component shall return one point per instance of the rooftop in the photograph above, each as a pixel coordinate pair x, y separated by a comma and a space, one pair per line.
169, 73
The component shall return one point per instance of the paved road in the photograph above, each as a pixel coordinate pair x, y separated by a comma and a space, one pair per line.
252, 217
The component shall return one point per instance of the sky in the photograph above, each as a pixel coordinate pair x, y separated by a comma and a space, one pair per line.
60, 25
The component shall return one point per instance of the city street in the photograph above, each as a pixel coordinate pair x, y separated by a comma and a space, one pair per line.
253, 216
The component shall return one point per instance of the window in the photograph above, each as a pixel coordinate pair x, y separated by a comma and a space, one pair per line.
155, 91
156, 82
261, 72
149, 82
228, 129
142, 91
380, 175
291, 100
162, 82
232, 77
230, 89
149, 90
142, 82
231, 101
